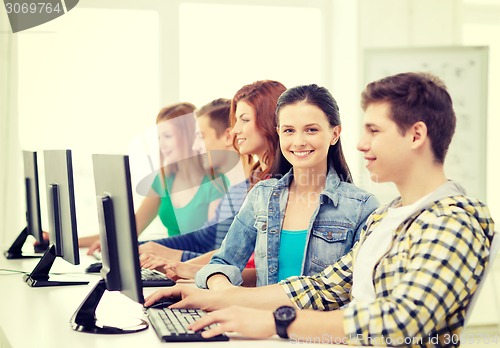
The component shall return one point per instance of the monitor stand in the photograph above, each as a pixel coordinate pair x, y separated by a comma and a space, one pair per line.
84, 319
15, 250
39, 277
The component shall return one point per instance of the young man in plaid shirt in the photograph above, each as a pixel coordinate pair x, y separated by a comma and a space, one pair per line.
411, 277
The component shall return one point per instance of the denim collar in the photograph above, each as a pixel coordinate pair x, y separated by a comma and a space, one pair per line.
328, 193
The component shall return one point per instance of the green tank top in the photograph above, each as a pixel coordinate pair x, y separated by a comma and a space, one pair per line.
193, 215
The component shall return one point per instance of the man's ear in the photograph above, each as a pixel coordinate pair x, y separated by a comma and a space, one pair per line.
228, 137
419, 133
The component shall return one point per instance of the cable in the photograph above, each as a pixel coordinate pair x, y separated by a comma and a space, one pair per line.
11, 271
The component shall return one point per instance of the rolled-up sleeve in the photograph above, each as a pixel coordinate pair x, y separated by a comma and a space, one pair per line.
232, 273
236, 248
327, 290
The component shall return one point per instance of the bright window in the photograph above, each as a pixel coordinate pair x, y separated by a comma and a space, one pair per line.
88, 89
224, 47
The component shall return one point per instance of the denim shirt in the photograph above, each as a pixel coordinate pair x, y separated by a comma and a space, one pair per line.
334, 227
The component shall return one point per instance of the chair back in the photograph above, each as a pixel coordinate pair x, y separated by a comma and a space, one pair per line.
495, 246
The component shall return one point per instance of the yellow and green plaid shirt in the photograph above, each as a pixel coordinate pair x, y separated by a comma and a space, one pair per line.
423, 284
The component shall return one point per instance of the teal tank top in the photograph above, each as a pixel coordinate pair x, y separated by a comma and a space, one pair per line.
291, 254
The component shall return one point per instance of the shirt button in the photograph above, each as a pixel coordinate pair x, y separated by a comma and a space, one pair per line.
264, 226
329, 235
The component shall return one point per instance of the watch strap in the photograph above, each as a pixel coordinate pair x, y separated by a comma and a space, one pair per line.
281, 329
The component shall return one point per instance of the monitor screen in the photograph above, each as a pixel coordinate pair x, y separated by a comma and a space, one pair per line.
118, 235
61, 204
117, 229
61, 218
33, 215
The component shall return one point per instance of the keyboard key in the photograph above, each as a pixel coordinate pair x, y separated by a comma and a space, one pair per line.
153, 278
171, 325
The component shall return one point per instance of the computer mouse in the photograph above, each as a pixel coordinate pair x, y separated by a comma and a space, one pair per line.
164, 302
94, 268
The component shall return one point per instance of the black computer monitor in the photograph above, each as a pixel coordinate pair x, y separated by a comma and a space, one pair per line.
118, 235
62, 219
33, 215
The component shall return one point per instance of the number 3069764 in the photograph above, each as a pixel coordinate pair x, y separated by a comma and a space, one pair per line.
32, 7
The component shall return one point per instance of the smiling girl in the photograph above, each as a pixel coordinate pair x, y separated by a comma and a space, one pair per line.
182, 194
309, 214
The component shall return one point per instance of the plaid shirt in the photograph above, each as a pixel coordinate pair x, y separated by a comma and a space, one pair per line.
423, 284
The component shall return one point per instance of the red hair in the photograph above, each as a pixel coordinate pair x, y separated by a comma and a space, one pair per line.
262, 96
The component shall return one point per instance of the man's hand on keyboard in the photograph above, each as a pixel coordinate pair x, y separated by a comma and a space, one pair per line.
190, 297
176, 270
95, 247
152, 248
150, 261
249, 322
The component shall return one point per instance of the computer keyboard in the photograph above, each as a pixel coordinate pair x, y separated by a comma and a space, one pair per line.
152, 278
171, 325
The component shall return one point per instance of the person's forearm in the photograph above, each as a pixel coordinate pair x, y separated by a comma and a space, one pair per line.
85, 242
143, 219
146, 213
203, 259
218, 281
318, 326
264, 297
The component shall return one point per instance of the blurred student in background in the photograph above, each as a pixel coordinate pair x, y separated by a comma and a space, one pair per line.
252, 133
183, 194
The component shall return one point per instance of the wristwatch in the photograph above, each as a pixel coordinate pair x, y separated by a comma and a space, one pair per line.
283, 317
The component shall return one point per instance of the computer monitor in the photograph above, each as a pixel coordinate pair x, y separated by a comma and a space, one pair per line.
62, 220
118, 235
33, 215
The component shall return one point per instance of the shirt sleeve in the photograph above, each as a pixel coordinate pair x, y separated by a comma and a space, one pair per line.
327, 290
236, 248
441, 268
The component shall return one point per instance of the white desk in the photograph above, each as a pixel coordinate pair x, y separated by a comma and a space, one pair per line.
39, 317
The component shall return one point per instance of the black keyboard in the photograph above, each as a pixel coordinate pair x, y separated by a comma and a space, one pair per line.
152, 278
171, 325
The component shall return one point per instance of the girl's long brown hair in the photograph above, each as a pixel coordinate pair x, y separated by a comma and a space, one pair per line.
262, 96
